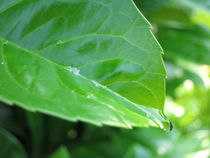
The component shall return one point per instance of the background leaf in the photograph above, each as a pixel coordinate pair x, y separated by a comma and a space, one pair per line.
10, 146
184, 31
62, 152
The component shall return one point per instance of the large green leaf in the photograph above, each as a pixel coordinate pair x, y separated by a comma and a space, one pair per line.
95, 61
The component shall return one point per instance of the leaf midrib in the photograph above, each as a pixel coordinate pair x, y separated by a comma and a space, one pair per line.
56, 64
53, 62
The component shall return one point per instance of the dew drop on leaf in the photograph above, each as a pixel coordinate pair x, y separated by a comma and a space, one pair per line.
73, 70
96, 84
90, 96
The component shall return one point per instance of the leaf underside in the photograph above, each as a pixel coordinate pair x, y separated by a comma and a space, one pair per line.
88, 60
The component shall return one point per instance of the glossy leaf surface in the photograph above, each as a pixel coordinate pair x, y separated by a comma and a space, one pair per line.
82, 60
193, 41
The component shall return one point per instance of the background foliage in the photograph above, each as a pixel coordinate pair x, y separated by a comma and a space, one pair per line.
183, 30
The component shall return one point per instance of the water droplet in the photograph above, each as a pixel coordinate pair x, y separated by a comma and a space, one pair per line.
171, 126
73, 70
59, 42
90, 96
96, 84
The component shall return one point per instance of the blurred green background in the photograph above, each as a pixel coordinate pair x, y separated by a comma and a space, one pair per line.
183, 29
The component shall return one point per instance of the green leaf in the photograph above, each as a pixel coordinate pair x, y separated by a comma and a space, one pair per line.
62, 152
10, 146
184, 12
194, 43
185, 34
82, 60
